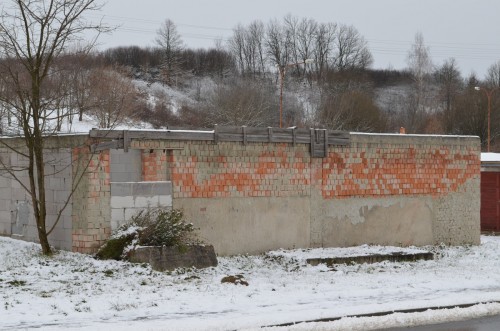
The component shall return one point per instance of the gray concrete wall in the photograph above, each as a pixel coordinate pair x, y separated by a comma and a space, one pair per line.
16, 209
125, 166
59, 183
395, 221
249, 225
16, 212
256, 225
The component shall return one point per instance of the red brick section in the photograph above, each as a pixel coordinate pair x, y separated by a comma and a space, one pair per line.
261, 171
231, 169
91, 225
154, 165
396, 171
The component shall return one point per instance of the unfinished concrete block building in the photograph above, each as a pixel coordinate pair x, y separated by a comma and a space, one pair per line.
250, 190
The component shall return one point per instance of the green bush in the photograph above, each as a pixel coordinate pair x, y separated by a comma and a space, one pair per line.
160, 227
151, 227
114, 247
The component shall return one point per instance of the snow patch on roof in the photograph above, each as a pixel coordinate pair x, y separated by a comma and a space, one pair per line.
412, 135
490, 157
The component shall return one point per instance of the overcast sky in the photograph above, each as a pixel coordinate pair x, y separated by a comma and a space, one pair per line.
468, 30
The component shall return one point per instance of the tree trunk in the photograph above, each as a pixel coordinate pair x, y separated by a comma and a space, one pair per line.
37, 166
42, 213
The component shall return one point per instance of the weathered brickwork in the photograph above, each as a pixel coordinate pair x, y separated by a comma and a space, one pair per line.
208, 170
381, 189
91, 207
393, 170
231, 169
154, 164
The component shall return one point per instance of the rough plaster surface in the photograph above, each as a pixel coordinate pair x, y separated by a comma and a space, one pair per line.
125, 166
383, 221
249, 225
457, 216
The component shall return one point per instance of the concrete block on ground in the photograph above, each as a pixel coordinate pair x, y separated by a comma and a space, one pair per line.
170, 258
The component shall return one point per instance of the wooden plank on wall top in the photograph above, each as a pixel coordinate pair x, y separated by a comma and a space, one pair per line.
216, 133
312, 142
113, 144
236, 134
325, 147
107, 134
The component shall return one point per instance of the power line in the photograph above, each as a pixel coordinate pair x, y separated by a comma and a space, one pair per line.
440, 50
406, 43
157, 23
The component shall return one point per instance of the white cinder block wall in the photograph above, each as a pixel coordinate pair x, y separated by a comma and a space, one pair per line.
129, 194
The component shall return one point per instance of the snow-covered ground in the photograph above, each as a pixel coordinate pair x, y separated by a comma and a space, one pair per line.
75, 291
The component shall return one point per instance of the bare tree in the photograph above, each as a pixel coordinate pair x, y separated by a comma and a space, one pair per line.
306, 32
492, 90
450, 85
471, 111
221, 60
278, 44
290, 26
350, 109
493, 75
170, 41
113, 96
241, 102
420, 67
237, 46
350, 50
323, 47
6, 115
255, 47
34, 33
419, 59
247, 46
294, 40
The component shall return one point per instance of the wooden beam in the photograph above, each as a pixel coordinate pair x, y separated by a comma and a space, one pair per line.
113, 144
244, 129
239, 134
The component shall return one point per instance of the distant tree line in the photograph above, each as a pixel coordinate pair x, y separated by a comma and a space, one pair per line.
237, 82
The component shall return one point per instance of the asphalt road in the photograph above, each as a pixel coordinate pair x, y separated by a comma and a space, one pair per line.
480, 324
